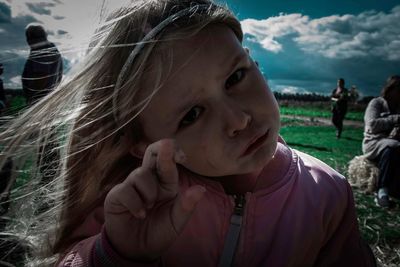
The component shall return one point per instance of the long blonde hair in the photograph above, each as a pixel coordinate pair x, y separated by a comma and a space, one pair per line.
82, 121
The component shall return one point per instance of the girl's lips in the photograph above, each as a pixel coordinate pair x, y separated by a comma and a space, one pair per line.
254, 145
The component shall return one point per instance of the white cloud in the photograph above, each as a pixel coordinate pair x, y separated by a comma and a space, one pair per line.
369, 33
266, 31
287, 89
14, 82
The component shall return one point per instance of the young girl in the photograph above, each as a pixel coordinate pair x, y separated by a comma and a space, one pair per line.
172, 155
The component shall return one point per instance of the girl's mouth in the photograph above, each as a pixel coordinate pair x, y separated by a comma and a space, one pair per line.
255, 144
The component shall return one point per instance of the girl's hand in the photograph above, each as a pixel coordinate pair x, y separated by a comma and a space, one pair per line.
145, 213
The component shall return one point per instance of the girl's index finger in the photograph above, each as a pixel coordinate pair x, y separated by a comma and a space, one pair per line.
152, 151
150, 157
161, 158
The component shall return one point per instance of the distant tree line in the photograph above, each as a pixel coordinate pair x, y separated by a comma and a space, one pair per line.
301, 97
313, 97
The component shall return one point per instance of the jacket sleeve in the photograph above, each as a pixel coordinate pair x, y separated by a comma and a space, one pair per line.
375, 121
95, 249
345, 247
333, 93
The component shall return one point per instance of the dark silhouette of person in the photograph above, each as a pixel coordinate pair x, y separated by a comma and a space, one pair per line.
43, 68
42, 73
339, 99
354, 94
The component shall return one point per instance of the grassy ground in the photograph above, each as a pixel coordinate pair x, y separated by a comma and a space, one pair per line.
316, 112
321, 142
355, 111
380, 228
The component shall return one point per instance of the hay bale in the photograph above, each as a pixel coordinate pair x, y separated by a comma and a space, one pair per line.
363, 173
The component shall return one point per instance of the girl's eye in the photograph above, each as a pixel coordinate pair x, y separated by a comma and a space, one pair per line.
191, 117
236, 77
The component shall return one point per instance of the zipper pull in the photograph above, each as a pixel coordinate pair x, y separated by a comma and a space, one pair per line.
240, 201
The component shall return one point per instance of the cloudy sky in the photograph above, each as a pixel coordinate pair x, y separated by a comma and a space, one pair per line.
301, 46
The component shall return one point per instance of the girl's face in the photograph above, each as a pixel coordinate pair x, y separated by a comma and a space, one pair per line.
217, 106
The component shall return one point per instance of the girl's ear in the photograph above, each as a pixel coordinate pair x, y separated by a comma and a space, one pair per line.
137, 150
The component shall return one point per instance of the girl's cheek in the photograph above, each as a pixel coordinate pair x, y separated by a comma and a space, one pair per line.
203, 147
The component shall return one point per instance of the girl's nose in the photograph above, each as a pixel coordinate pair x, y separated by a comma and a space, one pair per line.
236, 120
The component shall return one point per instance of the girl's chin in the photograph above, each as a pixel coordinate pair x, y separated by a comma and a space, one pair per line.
246, 165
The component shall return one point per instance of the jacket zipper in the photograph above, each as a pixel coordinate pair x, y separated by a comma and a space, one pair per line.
240, 202
232, 237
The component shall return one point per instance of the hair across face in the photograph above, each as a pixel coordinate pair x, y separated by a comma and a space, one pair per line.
112, 99
105, 122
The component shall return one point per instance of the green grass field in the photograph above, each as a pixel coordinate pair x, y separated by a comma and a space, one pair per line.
317, 112
320, 141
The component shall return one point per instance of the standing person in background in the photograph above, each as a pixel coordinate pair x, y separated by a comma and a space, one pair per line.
42, 73
339, 99
381, 142
354, 95
43, 68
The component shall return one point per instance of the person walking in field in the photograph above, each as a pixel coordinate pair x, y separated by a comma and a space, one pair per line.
339, 99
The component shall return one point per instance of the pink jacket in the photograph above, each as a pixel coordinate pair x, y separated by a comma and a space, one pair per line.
304, 217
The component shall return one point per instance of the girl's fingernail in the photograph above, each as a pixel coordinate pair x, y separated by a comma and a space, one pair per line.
180, 156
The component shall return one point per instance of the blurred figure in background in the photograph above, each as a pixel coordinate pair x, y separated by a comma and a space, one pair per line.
354, 95
42, 73
339, 99
381, 142
43, 68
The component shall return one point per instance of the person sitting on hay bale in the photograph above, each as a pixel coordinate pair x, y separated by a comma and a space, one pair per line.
381, 143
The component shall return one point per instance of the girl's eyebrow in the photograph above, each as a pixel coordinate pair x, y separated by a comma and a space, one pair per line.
235, 61
176, 113
190, 101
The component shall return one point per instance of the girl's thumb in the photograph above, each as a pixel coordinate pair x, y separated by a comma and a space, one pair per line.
184, 205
